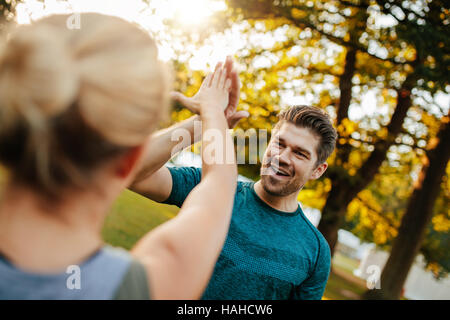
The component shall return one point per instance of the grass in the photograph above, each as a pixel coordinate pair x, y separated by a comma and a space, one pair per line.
342, 284
340, 288
345, 263
132, 216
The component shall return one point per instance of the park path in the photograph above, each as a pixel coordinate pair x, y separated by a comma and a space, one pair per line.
351, 278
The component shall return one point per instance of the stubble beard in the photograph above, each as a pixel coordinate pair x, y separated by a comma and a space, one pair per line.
278, 188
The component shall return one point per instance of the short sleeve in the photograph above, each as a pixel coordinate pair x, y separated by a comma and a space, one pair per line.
184, 179
314, 286
135, 284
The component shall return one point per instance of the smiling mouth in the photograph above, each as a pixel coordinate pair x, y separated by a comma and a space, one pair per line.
280, 172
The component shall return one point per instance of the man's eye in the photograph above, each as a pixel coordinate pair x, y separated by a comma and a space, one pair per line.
300, 154
279, 145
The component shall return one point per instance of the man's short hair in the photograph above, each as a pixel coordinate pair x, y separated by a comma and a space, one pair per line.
318, 122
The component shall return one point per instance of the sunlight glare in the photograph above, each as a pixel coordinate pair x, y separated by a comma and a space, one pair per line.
195, 12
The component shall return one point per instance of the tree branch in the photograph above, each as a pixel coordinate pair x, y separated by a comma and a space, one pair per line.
381, 215
337, 40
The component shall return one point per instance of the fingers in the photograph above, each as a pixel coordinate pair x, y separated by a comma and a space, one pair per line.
241, 114
185, 101
236, 82
228, 84
174, 95
207, 81
223, 79
216, 75
229, 65
234, 90
227, 70
235, 118
221, 72
181, 98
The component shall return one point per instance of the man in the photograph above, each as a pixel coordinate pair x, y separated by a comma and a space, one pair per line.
272, 251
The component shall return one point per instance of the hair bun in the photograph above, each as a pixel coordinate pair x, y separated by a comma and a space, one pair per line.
37, 74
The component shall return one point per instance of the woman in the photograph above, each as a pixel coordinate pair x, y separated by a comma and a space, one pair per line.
77, 108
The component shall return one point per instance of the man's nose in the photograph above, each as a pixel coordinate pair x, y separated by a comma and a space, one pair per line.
283, 157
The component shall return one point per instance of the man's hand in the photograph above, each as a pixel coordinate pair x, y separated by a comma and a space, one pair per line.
232, 116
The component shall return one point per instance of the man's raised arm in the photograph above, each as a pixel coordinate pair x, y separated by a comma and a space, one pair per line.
154, 180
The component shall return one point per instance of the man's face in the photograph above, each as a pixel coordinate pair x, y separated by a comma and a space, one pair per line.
290, 160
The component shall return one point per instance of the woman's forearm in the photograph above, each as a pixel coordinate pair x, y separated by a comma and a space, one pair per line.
218, 155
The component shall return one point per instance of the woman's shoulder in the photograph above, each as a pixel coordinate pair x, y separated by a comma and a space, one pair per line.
134, 283
106, 274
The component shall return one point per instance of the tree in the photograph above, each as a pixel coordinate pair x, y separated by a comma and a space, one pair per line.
424, 36
375, 214
7, 9
417, 216
417, 45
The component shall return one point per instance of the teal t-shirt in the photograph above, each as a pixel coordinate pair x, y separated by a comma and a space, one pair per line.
268, 254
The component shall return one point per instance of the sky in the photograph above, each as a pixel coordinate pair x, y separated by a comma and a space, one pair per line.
186, 14
189, 12
195, 15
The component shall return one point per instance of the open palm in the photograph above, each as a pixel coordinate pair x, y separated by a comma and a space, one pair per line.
193, 103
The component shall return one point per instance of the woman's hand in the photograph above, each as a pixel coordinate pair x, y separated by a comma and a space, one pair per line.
213, 93
232, 116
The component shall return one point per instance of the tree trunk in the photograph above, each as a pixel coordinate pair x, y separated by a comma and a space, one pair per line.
345, 85
416, 218
333, 213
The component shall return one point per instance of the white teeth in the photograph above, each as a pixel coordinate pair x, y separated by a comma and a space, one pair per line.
277, 171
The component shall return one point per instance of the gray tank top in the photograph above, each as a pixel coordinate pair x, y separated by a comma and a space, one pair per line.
111, 273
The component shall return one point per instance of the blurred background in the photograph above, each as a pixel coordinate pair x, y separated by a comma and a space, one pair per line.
380, 68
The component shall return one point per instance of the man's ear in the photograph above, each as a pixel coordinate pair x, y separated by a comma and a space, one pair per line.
128, 162
318, 172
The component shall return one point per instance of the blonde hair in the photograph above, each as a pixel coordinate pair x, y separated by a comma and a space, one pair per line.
72, 98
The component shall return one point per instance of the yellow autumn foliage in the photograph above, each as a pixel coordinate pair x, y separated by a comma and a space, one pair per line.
298, 14
441, 222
